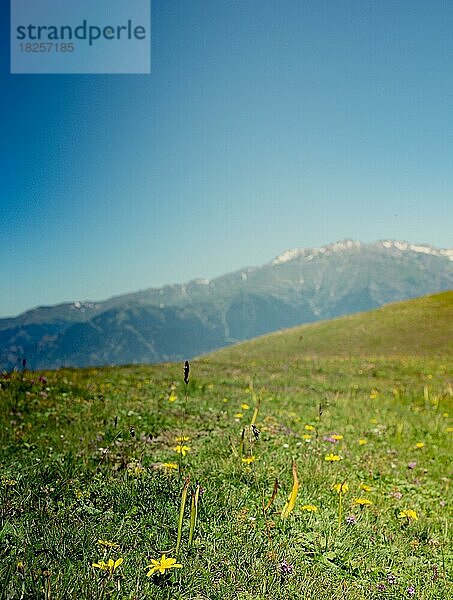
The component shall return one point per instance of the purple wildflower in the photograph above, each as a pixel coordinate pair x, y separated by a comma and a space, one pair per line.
381, 587
411, 590
412, 464
286, 568
328, 438
351, 520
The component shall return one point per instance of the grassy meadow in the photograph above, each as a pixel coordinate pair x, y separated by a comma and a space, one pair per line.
305, 475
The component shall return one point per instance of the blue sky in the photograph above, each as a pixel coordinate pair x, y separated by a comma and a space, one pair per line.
264, 125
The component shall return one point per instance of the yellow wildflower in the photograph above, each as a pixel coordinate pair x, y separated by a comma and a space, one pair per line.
183, 450
309, 507
332, 457
172, 397
182, 438
365, 487
362, 501
6, 481
409, 514
109, 566
340, 488
135, 470
170, 465
306, 437
419, 445
238, 415
374, 394
245, 406
336, 437
309, 428
362, 442
108, 544
162, 565
249, 459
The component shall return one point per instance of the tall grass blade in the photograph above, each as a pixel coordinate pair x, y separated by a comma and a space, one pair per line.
274, 495
181, 513
289, 506
193, 513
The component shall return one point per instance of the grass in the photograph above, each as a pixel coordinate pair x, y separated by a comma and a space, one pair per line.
421, 327
82, 455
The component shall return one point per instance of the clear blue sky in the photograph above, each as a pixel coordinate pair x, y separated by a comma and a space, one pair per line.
264, 125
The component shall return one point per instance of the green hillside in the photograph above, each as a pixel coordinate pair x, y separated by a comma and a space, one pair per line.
420, 327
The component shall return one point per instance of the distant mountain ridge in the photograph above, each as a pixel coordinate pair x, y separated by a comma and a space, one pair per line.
183, 320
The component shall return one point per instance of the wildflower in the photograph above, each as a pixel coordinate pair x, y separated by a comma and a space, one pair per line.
408, 514
412, 464
135, 470
182, 438
391, 579
183, 450
245, 406
329, 438
365, 487
340, 488
8, 482
332, 457
351, 520
109, 566
362, 501
20, 567
397, 495
449, 429
336, 437
411, 590
306, 437
162, 565
381, 587
309, 507
286, 568
249, 459
170, 465
309, 428
172, 397
362, 442
374, 394
238, 415
108, 544
419, 445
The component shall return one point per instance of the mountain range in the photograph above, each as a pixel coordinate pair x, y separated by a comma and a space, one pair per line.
181, 321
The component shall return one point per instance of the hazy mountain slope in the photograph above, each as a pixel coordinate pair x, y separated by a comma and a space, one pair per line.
420, 327
177, 321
